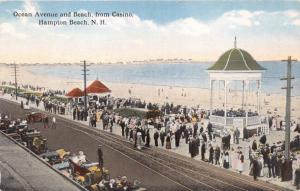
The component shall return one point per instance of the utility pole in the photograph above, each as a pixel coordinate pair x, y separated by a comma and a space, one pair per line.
85, 70
288, 88
15, 74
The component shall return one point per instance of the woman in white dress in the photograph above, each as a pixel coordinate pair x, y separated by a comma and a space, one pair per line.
234, 160
240, 164
222, 159
139, 140
261, 165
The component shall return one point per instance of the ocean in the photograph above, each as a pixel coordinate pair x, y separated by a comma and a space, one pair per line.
175, 74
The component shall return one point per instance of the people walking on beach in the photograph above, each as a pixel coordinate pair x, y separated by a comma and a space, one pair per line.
53, 125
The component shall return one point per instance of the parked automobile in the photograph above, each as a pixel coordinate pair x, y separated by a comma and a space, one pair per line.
35, 117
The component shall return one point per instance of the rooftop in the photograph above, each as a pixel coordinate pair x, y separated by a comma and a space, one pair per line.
236, 59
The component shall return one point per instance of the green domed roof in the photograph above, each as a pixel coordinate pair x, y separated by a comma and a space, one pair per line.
236, 60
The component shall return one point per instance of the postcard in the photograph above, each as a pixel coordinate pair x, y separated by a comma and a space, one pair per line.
149, 95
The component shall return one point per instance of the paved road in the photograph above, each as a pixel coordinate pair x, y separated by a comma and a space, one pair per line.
118, 164
22, 171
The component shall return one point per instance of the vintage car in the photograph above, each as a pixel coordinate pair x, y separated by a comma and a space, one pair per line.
15, 136
59, 159
33, 140
117, 184
4, 124
52, 157
35, 117
39, 145
87, 173
16, 128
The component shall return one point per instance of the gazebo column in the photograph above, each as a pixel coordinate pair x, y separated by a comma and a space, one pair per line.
225, 102
211, 96
246, 103
243, 94
258, 96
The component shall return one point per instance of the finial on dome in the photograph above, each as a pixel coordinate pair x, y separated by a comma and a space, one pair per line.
235, 42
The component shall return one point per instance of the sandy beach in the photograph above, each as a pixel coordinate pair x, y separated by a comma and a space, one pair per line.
274, 103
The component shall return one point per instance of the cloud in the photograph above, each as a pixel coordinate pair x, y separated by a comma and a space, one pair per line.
291, 13
9, 29
296, 22
28, 7
243, 18
263, 33
188, 26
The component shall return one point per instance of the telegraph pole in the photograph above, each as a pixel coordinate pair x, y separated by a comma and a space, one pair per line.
85, 70
288, 88
15, 73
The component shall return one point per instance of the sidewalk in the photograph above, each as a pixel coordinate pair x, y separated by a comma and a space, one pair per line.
20, 170
183, 149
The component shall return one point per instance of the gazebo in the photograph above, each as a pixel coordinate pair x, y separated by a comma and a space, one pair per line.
97, 90
74, 93
97, 87
236, 66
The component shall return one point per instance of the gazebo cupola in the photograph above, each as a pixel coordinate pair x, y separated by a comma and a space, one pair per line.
235, 65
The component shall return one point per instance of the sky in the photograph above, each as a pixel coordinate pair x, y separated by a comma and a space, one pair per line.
198, 30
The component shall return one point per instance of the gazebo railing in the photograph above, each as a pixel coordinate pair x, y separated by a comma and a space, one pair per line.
254, 120
229, 120
220, 120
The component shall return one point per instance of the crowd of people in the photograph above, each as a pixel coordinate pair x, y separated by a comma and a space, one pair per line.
234, 113
181, 125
